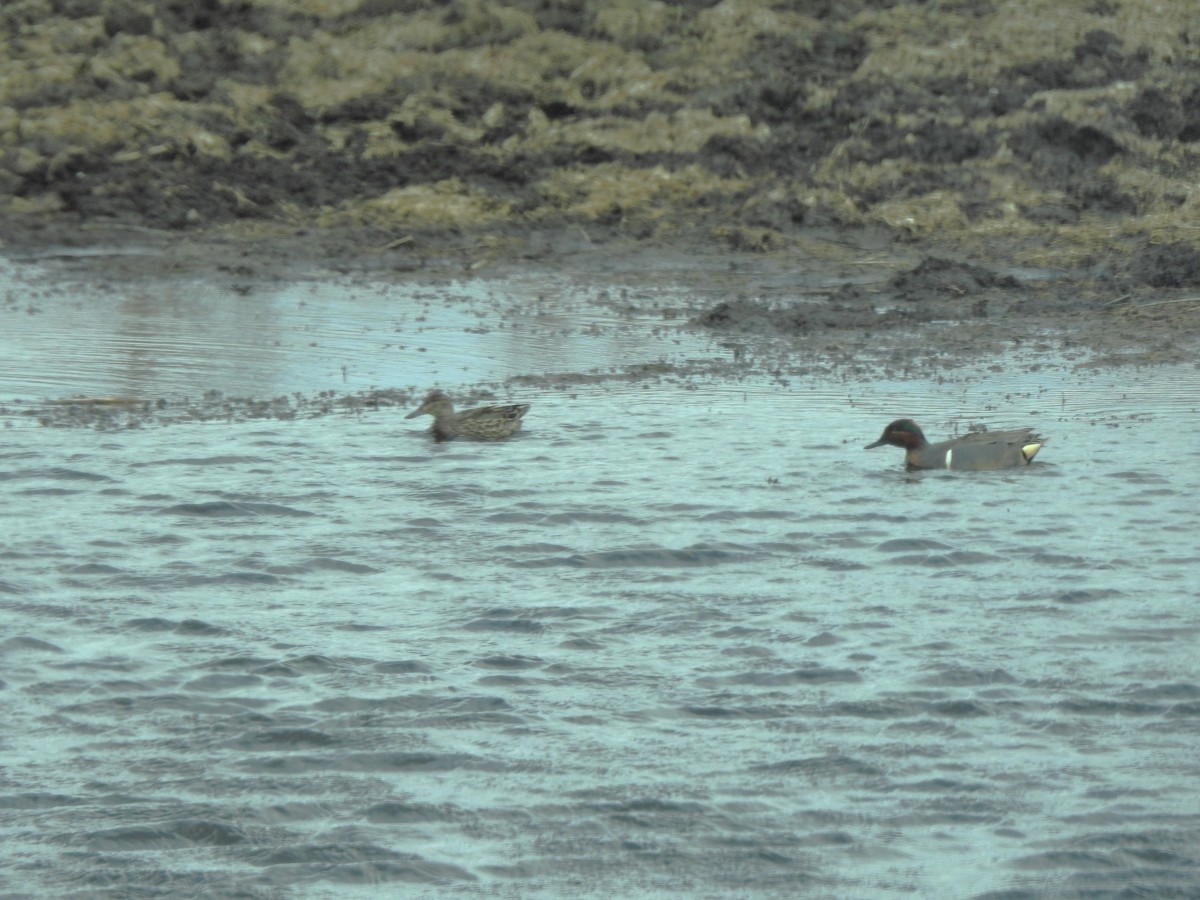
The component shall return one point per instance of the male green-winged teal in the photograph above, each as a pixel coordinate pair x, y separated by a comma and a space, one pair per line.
977, 450
484, 423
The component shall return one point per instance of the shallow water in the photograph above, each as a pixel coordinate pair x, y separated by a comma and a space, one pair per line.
678, 638
177, 338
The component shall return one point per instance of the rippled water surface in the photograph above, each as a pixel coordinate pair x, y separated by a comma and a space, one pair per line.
679, 637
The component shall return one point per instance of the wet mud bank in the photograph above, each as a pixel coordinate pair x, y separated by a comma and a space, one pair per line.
872, 315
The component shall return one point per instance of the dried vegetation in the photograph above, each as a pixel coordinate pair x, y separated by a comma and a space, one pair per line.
1055, 130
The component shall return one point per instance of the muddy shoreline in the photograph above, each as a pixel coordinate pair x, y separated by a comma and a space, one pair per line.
1036, 134
877, 186
856, 308
829, 282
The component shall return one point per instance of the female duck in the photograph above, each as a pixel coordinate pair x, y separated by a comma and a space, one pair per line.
484, 423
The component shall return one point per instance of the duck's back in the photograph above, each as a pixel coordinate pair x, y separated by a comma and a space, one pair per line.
490, 422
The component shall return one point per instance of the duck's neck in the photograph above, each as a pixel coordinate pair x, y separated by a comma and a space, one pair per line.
444, 425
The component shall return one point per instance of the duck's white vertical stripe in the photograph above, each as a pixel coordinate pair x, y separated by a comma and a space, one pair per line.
949, 457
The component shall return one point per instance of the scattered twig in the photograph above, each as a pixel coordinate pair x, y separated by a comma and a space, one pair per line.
391, 245
1138, 308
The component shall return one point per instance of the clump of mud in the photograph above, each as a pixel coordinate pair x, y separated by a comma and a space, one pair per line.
748, 316
935, 288
1175, 265
935, 276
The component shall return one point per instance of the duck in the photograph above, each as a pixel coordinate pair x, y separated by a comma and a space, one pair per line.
975, 451
483, 423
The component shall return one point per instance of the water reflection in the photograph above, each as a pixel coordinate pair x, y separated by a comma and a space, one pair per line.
179, 337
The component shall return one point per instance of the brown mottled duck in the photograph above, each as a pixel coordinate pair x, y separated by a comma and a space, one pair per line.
484, 423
